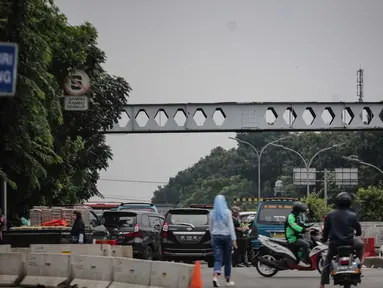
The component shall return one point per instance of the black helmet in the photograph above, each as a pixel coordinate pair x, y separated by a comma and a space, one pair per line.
299, 207
343, 200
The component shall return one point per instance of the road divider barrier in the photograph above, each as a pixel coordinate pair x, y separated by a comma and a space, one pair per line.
373, 262
11, 268
49, 270
5, 248
60, 270
91, 271
83, 249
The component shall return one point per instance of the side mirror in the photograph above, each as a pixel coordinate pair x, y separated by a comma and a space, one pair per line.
157, 227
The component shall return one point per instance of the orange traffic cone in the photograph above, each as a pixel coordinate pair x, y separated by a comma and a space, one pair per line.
196, 281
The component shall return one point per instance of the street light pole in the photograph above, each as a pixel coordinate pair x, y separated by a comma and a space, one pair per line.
259, 155
355, 159
307, 165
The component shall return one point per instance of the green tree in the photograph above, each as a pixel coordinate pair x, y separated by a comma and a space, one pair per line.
277, 163
317, 207
369, 203
51, 156
205, 190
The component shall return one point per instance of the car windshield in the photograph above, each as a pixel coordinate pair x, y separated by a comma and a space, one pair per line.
119, 219
274, 213
137, 207
194, 217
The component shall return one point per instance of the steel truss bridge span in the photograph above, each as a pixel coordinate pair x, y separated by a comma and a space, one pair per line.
247, 117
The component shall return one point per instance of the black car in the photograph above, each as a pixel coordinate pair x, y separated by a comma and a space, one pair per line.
186, 237
140, 229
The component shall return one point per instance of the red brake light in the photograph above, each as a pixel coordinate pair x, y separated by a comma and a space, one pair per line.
344, 261
165, 229
135, 233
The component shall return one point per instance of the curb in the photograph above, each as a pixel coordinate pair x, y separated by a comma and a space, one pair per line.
373, 262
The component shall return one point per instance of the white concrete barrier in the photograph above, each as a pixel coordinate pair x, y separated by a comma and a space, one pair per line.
116, 251
91, 271
77, 249
49, 270
11, 268
25, 250
171, 275
129, 273
5, 248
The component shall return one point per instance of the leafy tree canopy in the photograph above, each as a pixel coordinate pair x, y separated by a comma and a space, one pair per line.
224, 167
50, 156
369, 202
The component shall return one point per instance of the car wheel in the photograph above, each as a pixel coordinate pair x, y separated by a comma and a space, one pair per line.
148, 254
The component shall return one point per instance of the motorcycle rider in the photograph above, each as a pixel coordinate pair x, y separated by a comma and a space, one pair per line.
293, 229
339, 226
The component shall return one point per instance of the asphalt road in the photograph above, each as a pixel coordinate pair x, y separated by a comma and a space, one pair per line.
249, 278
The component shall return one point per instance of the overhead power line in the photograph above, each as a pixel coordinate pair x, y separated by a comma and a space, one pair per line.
133, 181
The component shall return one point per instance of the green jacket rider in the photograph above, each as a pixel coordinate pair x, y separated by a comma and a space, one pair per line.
293, 228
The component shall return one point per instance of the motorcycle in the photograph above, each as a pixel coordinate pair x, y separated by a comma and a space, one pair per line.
346, 268
275, 255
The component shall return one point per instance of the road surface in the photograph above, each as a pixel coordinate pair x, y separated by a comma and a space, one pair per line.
249, 278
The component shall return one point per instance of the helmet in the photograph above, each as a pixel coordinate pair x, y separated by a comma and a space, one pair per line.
343, 199
299, 207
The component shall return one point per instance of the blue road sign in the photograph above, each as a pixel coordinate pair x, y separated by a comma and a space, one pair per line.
8, 68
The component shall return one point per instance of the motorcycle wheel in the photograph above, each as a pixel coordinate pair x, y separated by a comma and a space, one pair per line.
263, 269
320, 263
347, 286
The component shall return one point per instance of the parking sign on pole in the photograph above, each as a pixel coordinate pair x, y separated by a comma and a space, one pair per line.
76, 85
8, 68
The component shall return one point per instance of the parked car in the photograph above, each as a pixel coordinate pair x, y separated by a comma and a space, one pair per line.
141, 229
186, 236
136, 206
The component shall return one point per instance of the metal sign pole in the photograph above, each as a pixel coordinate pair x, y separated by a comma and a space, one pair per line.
5, 206
325, 186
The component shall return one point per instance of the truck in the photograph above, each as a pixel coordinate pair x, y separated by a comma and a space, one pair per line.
39, 233
271, 217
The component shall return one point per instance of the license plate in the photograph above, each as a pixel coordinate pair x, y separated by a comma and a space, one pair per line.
190, 238
277, 235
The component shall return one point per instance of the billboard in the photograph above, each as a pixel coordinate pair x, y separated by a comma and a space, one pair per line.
300, 176
346, 176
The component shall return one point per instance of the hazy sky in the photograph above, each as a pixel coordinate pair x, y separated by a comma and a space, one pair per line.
218, 50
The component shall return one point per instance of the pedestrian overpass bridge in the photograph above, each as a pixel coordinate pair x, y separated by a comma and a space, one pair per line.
249, 117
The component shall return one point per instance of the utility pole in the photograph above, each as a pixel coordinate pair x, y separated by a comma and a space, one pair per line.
359, 84
325, 185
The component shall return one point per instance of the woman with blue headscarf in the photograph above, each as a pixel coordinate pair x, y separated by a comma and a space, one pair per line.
223, 238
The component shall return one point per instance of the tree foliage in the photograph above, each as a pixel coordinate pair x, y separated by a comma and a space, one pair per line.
369, 203
278, 164
317, 207
51, 156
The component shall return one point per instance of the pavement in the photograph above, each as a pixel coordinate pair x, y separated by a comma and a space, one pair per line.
249, 278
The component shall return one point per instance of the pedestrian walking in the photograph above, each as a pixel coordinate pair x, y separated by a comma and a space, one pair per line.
223, 239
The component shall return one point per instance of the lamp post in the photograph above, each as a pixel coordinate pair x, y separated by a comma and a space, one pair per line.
354, 158
307, 164
259, 155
